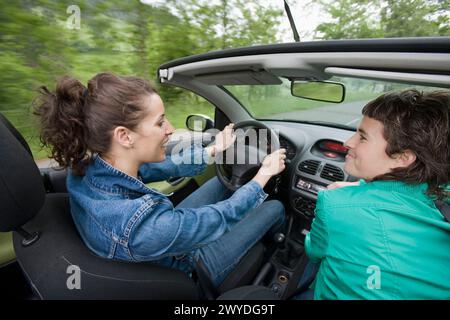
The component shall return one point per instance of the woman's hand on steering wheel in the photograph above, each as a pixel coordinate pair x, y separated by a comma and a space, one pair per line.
239, 166
272, 165
223, 140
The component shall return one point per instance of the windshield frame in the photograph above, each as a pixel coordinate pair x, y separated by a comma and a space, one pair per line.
359, 93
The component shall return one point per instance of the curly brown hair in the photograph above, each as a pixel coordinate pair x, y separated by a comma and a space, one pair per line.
416, 121
78, 121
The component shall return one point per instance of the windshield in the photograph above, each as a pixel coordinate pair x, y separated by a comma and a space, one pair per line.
275, 102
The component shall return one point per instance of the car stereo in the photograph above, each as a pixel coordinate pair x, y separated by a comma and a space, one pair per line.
309, 186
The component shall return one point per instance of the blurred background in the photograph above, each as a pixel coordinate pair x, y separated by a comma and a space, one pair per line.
44, 40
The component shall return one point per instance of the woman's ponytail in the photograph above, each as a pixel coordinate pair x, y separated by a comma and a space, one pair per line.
62, 123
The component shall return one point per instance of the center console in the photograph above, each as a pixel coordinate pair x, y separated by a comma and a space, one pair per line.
304, 195
286, 265
289, 260
310, 174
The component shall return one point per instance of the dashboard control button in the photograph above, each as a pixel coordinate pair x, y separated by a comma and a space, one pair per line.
330, 154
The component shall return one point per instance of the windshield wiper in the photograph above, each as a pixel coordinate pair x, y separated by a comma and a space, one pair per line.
291, 21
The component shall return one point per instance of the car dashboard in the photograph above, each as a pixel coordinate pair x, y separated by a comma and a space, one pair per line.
315, 158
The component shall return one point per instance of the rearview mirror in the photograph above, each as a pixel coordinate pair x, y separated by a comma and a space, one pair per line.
318, 90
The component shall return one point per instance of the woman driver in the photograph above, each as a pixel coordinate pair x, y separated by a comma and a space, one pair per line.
112, 136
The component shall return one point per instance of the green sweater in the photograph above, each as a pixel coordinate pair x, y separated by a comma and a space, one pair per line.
379, 240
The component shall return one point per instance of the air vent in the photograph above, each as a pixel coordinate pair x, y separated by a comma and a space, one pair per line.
332, 173
309, 166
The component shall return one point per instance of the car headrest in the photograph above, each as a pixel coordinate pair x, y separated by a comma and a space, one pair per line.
15, 133
22, 192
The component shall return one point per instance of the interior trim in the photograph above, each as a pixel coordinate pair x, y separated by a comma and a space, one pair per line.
419, 78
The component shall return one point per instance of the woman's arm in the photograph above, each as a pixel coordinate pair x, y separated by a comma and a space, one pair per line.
188, 163
163, 230
177, 231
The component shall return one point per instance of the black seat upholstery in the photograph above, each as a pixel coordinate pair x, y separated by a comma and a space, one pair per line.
249, 293
26, 207
15, 133
47, 261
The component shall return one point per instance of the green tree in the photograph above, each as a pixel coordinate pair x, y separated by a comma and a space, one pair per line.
384, 18
33, 51
350, 19
418, 18
258, 24
198, 26
228, 23
125, 37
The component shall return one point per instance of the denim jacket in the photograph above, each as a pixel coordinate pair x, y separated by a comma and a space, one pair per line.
119, 217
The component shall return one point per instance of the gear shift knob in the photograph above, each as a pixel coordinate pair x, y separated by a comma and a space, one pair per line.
279, 239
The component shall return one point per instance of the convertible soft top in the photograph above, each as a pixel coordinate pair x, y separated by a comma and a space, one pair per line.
419, 45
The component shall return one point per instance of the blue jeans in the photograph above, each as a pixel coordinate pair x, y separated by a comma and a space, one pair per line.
220, 257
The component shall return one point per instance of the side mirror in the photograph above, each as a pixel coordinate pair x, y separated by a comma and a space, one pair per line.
318, 90
199, 123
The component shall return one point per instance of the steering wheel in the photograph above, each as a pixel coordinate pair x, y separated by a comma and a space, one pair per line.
239, 163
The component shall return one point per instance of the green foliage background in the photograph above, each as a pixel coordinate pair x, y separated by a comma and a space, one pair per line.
125, 37
352, 19
131, 38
